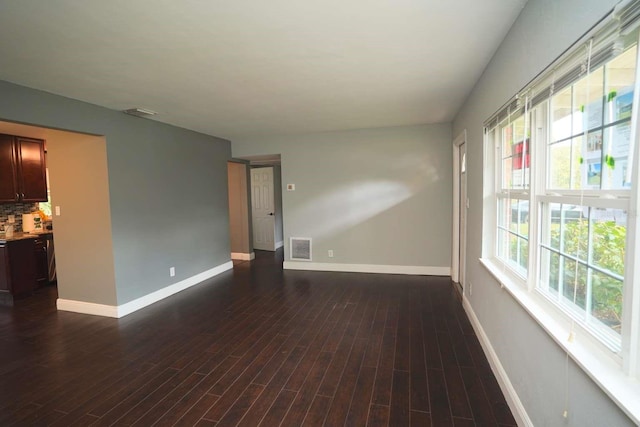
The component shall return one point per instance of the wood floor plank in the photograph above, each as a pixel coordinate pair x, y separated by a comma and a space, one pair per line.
438, 398
399, 408
345, 388
192, 415
378, 416
481, 407
241, 406
359, 408
420, 419
402, 360
384, 377
279, 409
308, 390
318, 412
457, 392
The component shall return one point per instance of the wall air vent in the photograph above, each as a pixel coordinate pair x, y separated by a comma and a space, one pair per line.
140, 112
300, 248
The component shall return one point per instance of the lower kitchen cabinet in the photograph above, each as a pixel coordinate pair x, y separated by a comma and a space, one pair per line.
18, 269
41, 261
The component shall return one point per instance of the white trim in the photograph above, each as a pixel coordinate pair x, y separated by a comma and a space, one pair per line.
584, 350
455, 240
242, 256
368, 268
87, 308
512, 398
139, 303
279, 244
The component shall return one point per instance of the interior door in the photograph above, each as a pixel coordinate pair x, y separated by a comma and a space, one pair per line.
263, 209
463, 204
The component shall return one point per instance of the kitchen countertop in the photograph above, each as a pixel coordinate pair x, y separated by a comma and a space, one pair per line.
23, 236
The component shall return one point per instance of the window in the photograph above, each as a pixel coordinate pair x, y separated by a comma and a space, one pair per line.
512, 196
583, 235
561, 156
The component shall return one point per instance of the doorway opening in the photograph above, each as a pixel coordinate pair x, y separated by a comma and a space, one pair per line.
81, 217
255, 205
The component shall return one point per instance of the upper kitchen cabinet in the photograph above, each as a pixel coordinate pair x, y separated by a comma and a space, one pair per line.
22, 170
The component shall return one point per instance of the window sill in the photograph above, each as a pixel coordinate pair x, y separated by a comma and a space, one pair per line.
593, 359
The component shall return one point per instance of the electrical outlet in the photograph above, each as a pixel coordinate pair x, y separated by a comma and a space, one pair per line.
57, 210
172, 271
11, 219
330, 251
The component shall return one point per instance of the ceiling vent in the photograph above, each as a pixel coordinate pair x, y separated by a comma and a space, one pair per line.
140, 112
300, 249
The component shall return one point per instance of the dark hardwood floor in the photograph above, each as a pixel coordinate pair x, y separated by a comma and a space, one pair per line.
254, 346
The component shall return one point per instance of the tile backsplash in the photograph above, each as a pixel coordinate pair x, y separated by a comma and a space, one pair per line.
16, 209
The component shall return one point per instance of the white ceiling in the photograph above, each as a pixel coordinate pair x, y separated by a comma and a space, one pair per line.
239, 68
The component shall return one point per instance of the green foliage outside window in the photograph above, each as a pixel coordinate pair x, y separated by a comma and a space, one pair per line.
608, 253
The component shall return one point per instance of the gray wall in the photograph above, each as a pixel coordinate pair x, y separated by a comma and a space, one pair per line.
374, 196
534, 363
167, 188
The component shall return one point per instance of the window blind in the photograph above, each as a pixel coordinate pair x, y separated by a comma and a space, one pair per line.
606, 40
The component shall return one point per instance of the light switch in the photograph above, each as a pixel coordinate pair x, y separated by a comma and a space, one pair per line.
57, 210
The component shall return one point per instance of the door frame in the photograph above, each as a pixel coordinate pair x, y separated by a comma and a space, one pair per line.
458, 241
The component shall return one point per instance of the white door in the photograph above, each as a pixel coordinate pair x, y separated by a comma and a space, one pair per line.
463, 204
263, 209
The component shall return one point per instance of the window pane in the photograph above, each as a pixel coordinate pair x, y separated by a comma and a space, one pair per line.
591, 161
520, 164
523, 254
615, 173
503, 244
551, 219
551, 264
606, 301
588, 95
620, 77
576, 161
560, 165
561, 115
515, 215
574, 279
608, 239
575, 231
504, 214
513, 248
523, 217
507, 140
506, 173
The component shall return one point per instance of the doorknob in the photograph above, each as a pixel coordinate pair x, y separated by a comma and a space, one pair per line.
271, 213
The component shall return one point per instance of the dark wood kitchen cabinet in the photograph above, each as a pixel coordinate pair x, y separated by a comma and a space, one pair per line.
41, 260
18, 269
22, 170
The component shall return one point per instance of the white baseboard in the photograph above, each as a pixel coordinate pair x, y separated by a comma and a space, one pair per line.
368, 268
137, 304
242, 256
87, 308
279, 244
516, 406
